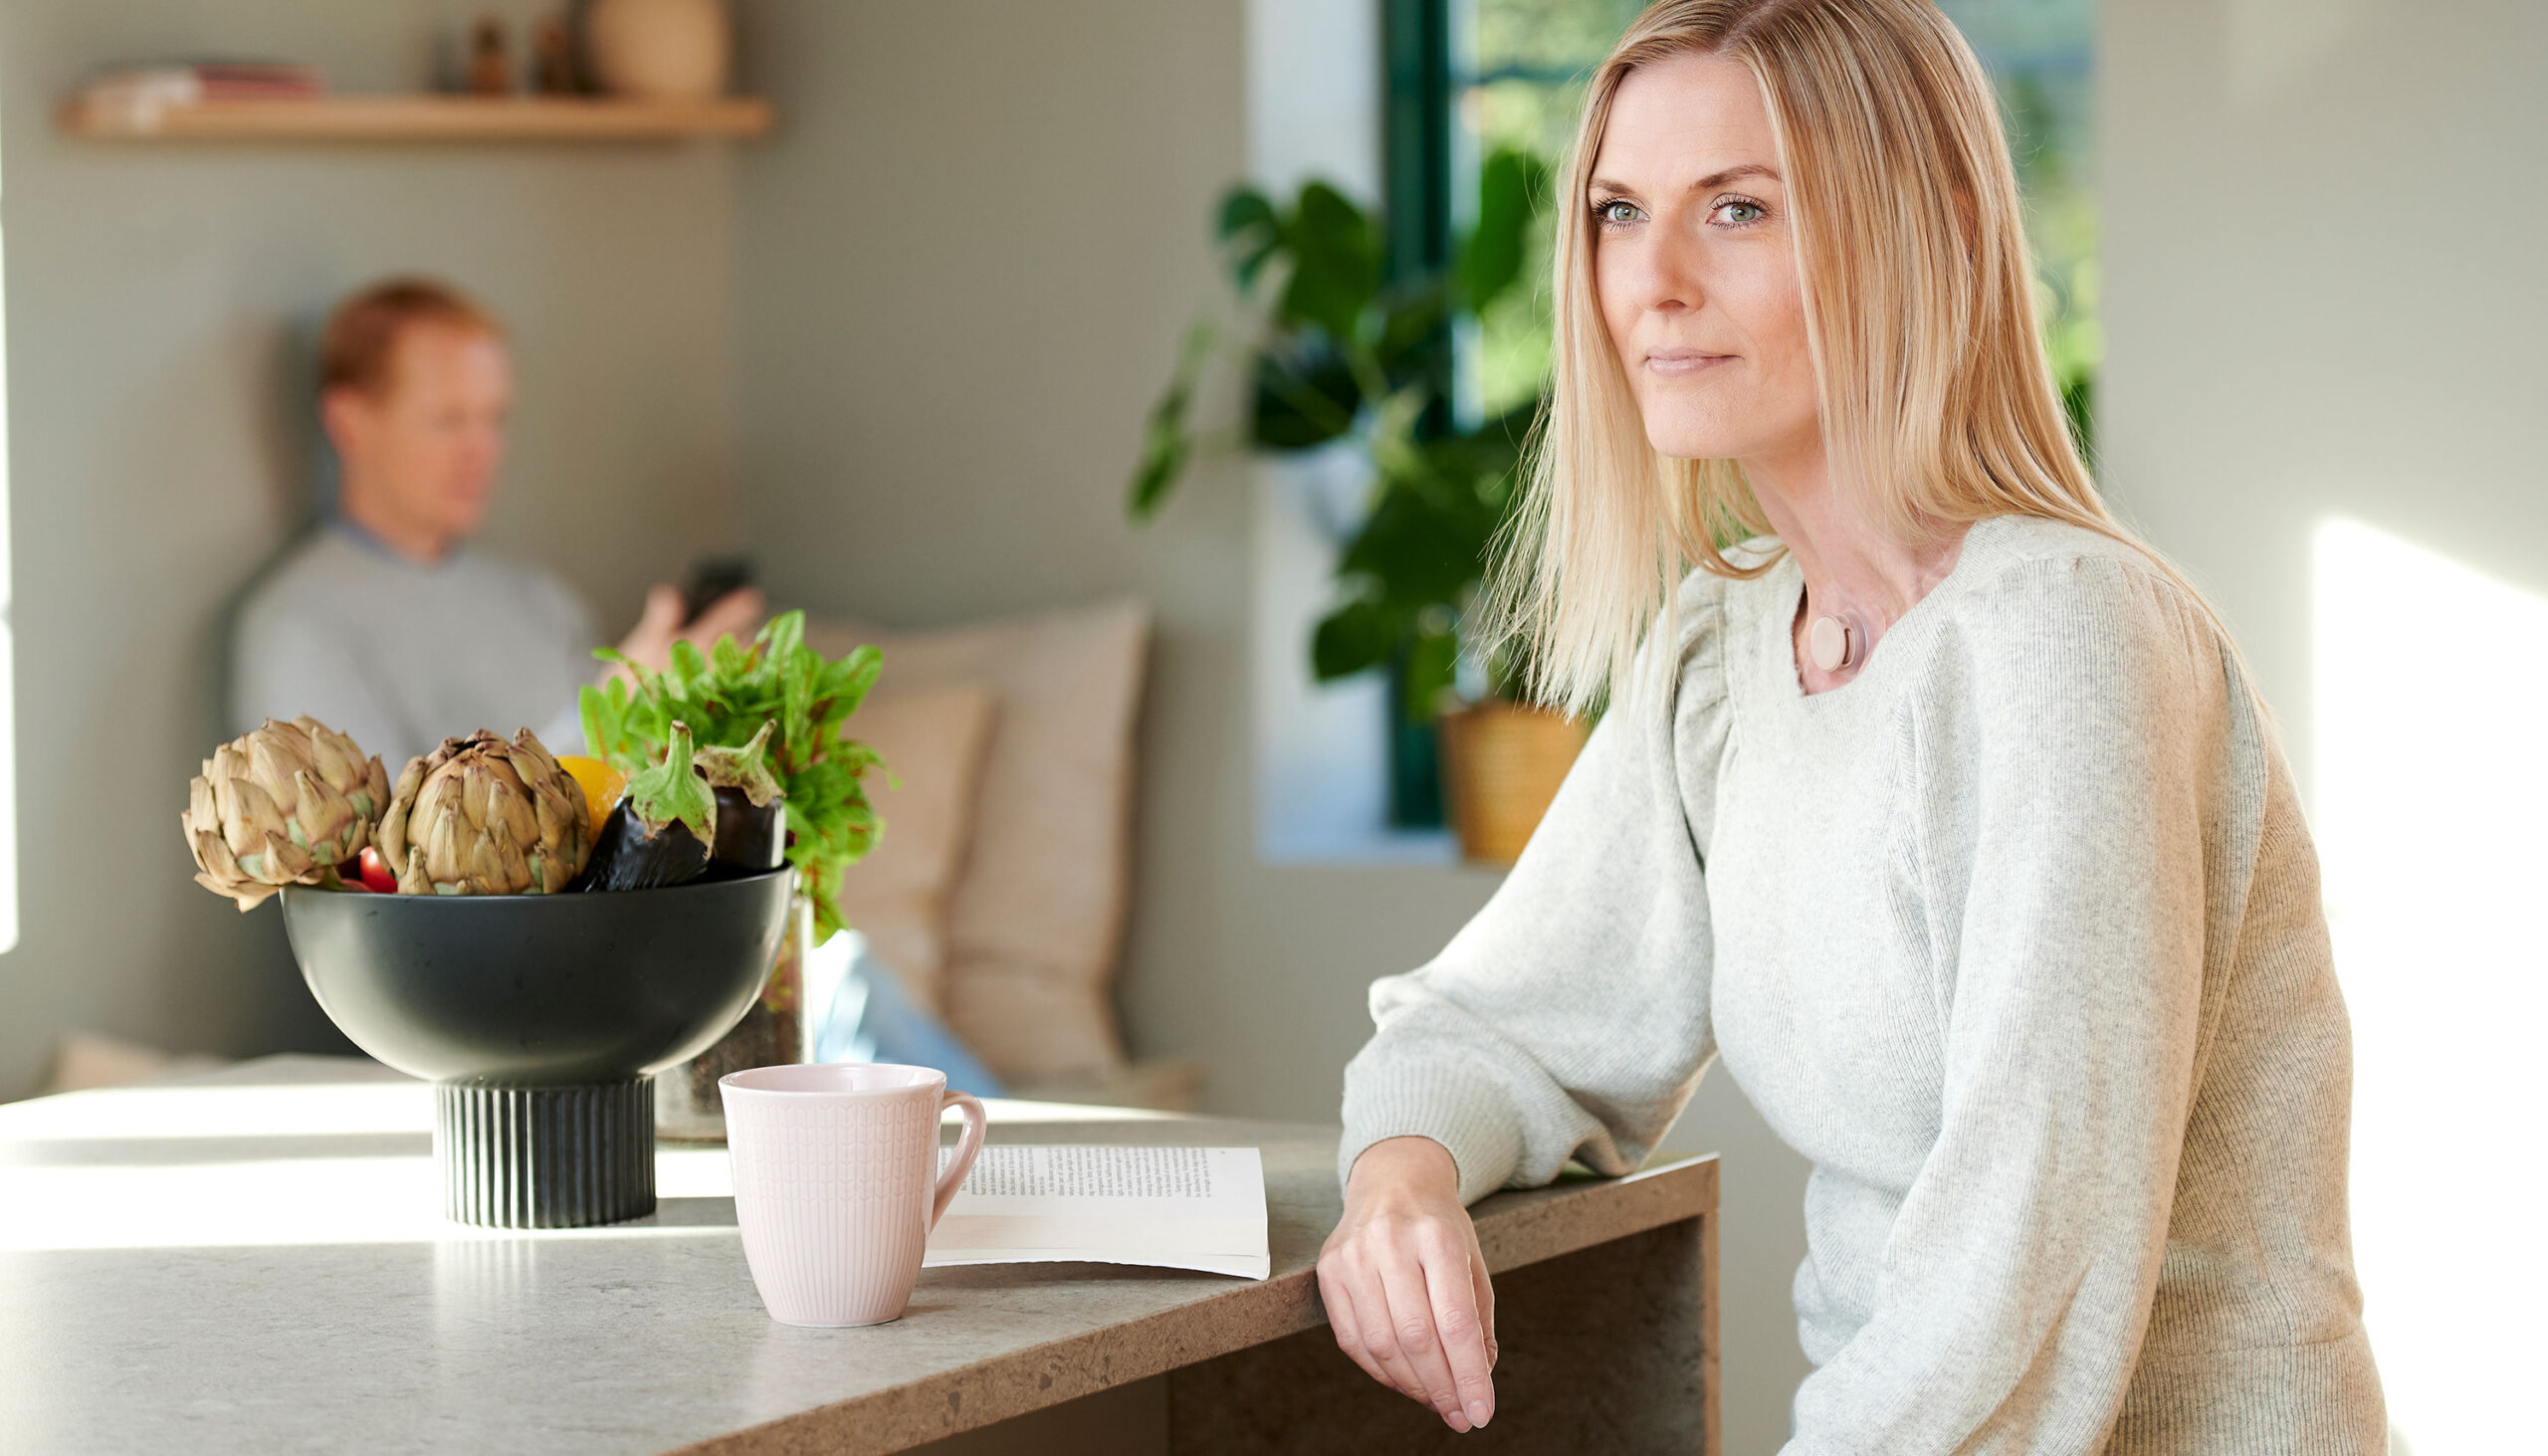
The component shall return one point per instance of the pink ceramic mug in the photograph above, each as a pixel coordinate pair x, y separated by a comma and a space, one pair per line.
836, 1184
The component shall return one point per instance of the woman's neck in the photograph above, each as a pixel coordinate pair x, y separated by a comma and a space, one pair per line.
1855, 570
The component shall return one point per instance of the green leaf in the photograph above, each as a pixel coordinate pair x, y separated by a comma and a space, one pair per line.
1433, 660
1336, 262
1418, 554
1252, 231
1305, 395
1168, 442
688, 667
854, 677
857, 758
781, 638
1356, 637
1511, 185
601, 720
1413, 335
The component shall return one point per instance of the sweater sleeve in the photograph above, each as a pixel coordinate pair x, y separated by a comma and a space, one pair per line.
2069, 761
1569, 1018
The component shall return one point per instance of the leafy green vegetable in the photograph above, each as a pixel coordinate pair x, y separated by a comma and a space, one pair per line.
726, 696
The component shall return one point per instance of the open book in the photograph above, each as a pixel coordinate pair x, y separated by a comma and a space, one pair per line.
1172, 1207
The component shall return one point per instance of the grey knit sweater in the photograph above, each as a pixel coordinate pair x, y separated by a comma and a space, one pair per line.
2017, 938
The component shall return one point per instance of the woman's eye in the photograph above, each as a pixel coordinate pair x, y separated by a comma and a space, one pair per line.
1741, 213
1618, 212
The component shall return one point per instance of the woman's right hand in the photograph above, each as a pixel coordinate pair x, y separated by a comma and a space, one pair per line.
1405, 1285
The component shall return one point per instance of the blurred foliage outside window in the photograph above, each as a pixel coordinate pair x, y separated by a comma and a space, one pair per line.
1524, 85
1526, 76
2042, 55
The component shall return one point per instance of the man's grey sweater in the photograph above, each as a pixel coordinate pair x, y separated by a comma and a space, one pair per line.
2018, 937
402, 654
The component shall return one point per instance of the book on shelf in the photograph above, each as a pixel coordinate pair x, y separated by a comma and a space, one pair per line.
141, 92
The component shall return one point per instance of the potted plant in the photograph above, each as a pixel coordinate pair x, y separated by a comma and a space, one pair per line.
1341, 352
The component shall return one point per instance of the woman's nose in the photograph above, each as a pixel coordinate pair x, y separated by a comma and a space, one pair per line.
1666, 282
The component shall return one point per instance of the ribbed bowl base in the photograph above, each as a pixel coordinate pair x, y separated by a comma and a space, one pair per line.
546, 1156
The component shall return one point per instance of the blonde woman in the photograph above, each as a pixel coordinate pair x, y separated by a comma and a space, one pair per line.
1941, 811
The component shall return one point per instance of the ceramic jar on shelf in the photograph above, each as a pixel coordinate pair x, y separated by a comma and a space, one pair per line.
659, 50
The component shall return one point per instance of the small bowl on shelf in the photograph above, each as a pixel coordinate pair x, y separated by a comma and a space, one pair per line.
542, 1020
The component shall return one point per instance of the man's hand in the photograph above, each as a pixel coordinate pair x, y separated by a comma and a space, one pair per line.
1405, 1285
650, 644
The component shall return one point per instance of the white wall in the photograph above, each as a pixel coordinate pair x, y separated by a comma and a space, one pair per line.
2326, 395
161, 301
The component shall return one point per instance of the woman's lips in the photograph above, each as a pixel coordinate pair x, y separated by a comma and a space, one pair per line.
1683, 361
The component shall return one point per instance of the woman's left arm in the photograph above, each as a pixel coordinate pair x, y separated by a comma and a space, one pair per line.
2074, 765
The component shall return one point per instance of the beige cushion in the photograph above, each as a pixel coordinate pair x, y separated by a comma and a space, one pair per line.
932, 740
83, 1060
1166, 1085
1037, 915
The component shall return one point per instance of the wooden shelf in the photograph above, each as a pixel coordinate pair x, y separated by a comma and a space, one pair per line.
422, 119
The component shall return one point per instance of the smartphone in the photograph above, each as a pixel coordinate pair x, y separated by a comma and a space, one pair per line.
712, 578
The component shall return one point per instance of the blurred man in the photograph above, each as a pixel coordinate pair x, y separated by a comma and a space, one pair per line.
386, 624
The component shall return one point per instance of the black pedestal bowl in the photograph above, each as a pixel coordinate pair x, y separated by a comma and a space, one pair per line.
542, 1020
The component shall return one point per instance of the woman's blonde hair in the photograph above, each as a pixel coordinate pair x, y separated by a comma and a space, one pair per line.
1938, 403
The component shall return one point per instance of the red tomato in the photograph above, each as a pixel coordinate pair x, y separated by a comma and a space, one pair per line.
375, 873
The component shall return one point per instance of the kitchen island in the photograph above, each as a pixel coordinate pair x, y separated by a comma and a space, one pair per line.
253, 1261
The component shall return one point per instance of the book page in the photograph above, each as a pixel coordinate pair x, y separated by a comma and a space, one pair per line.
1200, 1208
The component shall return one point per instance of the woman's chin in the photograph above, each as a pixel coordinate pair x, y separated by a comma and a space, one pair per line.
1728, 434
1680, 442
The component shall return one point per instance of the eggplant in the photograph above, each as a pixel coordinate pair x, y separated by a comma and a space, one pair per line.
751, 812
660, 831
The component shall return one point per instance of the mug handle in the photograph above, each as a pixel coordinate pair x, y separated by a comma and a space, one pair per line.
977, 1122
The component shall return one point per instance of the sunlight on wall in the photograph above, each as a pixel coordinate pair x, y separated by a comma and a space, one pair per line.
2433, 822
8, 674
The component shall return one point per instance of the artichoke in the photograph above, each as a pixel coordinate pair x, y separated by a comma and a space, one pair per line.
282, 805
480, 816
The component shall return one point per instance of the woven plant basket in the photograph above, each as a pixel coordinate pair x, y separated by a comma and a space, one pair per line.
1501, 765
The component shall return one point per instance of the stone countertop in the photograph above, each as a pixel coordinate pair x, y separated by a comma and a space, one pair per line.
253, 1262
